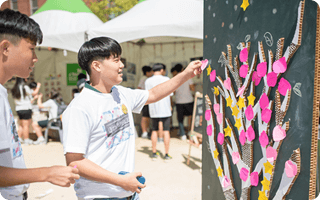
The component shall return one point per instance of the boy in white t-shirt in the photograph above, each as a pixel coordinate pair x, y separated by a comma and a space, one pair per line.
18, 38
98, 125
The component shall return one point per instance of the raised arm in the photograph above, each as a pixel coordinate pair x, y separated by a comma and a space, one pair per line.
166, 88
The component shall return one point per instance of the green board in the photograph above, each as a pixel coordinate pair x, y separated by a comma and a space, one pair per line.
73, 70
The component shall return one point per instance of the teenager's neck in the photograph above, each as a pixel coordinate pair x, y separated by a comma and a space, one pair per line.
101, 87
4, 76
157, 73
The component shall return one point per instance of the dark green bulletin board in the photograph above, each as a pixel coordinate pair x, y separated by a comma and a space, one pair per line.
230, 22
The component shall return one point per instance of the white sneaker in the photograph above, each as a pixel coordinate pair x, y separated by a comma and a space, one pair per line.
40, 140
28, 141
184, 137
144, 135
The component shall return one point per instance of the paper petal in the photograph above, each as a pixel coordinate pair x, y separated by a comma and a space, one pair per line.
208, 115
271, 154
262, 69
264, 101
216, 108
235, 157
280, 66
272, 79
242, 137
266, 115
240, 91
243, 71
226, 182
220, 138
213, 76
254, 178
278, 133
209, 130
204, 64
249, 113
250, 135
244, 174
219, 118
227, 83
263, 139
243, 55
291, 169
255, 78
283, 86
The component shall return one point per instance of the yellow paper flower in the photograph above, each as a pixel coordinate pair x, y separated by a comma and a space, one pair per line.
229, 101
227, 131
265, 183
268, 167
216, 90
245, 4
241, 103
219, 170
238, 123
215, 153
251, 99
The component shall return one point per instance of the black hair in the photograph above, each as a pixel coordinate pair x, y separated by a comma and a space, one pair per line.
75, 90
33, 85
15, 91
178, 67
55, 95
158, 67
99, 48
146, 69
173, 69
14, 23
81, 76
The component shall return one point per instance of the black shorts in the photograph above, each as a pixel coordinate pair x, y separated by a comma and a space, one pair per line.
184, 110
25, 114
43, 123
145, 111
165, 121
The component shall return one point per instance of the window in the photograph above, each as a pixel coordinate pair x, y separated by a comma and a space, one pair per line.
14, 5
34, 6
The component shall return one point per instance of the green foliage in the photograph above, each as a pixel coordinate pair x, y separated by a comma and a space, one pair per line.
108, 9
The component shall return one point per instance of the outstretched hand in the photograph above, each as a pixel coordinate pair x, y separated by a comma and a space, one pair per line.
194, 68
62, 176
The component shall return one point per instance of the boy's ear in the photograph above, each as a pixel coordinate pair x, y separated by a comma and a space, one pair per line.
4, 45
96, 65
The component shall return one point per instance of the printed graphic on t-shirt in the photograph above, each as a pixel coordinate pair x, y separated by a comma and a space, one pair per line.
116, 124
16, 145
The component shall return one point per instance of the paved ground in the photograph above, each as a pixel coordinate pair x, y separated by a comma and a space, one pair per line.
174, 180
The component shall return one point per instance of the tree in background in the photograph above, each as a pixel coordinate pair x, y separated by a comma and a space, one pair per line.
109, 9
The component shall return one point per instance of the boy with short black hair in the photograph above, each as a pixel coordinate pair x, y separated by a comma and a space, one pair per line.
18, 38
98, 125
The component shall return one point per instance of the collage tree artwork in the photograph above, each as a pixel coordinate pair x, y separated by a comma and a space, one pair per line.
261, 113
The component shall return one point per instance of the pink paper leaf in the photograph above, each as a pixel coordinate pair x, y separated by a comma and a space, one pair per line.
204, 64
243, 55
219, 118
209, 130
213, 75
280, 66
240, 91
226, 182
242, 137
254, 178
264, 101
255, 78
284, 86
244, 174
227, 83
262, 69
272, 79
208, 115
220, 138
266, 115
243, 71
263, 139
271, 154
216, 108
235, 157
250, 135
249, 113
278, 133
291, 169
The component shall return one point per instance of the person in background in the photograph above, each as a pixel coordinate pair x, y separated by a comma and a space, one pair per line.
35, 88
82, 79
19, 35
145, 119
160, 112
184, 101
23, 100
75, 92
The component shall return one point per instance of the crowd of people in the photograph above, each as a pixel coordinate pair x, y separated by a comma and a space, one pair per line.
98, 124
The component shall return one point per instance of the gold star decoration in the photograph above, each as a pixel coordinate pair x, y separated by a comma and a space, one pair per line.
241, 103
216, 91
235, 111
251, 99
215, 153
262, 195
219, 170
209, 70
229, 101
245, 4
265, 183
268, 167
227, 131
238, 123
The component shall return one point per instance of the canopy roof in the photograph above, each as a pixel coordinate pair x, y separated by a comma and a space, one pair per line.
155, 18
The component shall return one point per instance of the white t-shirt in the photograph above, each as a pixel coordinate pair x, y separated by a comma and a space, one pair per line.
10, 147
142, 82
53, 111
183, 93
24, 103
101, 127
162, 108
